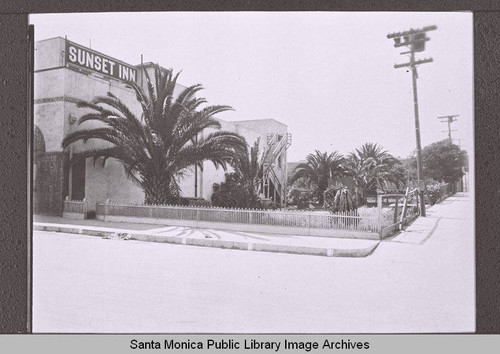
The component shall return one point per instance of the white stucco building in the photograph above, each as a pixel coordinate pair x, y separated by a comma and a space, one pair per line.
65, 73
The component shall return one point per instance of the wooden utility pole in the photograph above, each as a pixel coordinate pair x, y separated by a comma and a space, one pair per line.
415, 40
449, 120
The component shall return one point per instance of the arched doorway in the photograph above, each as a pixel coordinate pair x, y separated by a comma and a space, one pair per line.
47, 176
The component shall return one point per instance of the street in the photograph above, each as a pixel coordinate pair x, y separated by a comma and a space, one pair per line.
93, 285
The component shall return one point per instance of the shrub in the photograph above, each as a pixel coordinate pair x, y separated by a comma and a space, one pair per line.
182, 201
233, 193
274, 206
304, 200
300, 197
433, 193
338, 200
225, 199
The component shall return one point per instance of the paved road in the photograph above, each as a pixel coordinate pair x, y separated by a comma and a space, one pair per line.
87, 284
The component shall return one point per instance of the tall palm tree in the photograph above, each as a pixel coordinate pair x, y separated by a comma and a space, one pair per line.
372, 167
318, 169
156, 148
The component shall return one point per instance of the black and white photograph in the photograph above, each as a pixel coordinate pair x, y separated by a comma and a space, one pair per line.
253, 172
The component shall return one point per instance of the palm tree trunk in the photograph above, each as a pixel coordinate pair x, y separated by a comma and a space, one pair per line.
360, 196
157, 190
322, 187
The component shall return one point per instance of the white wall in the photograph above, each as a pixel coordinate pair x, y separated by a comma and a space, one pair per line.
110, 182
49, 53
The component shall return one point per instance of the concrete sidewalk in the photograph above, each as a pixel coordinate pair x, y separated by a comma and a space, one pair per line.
421, 229
417, 233
92, 223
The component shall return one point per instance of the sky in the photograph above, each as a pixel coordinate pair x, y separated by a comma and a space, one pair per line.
328, 76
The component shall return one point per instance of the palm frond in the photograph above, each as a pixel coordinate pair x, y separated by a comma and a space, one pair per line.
106, 134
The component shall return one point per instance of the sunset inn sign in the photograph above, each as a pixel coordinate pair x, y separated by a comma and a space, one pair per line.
95, 61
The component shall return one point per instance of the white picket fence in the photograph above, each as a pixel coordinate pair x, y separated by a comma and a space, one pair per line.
75, 209
317, 220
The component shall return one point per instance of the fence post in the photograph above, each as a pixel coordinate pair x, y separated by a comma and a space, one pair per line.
396, 210
84, 208
379, 206
405, 206
106, 209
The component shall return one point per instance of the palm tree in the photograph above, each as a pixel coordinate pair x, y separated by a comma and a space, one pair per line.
372, 167
241, 188
250, 169
318, 169
156, 148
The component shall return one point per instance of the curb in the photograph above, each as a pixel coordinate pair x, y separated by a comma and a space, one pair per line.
237, 245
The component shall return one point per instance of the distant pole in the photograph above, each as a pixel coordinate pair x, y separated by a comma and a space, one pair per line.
449, 120
415, 40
